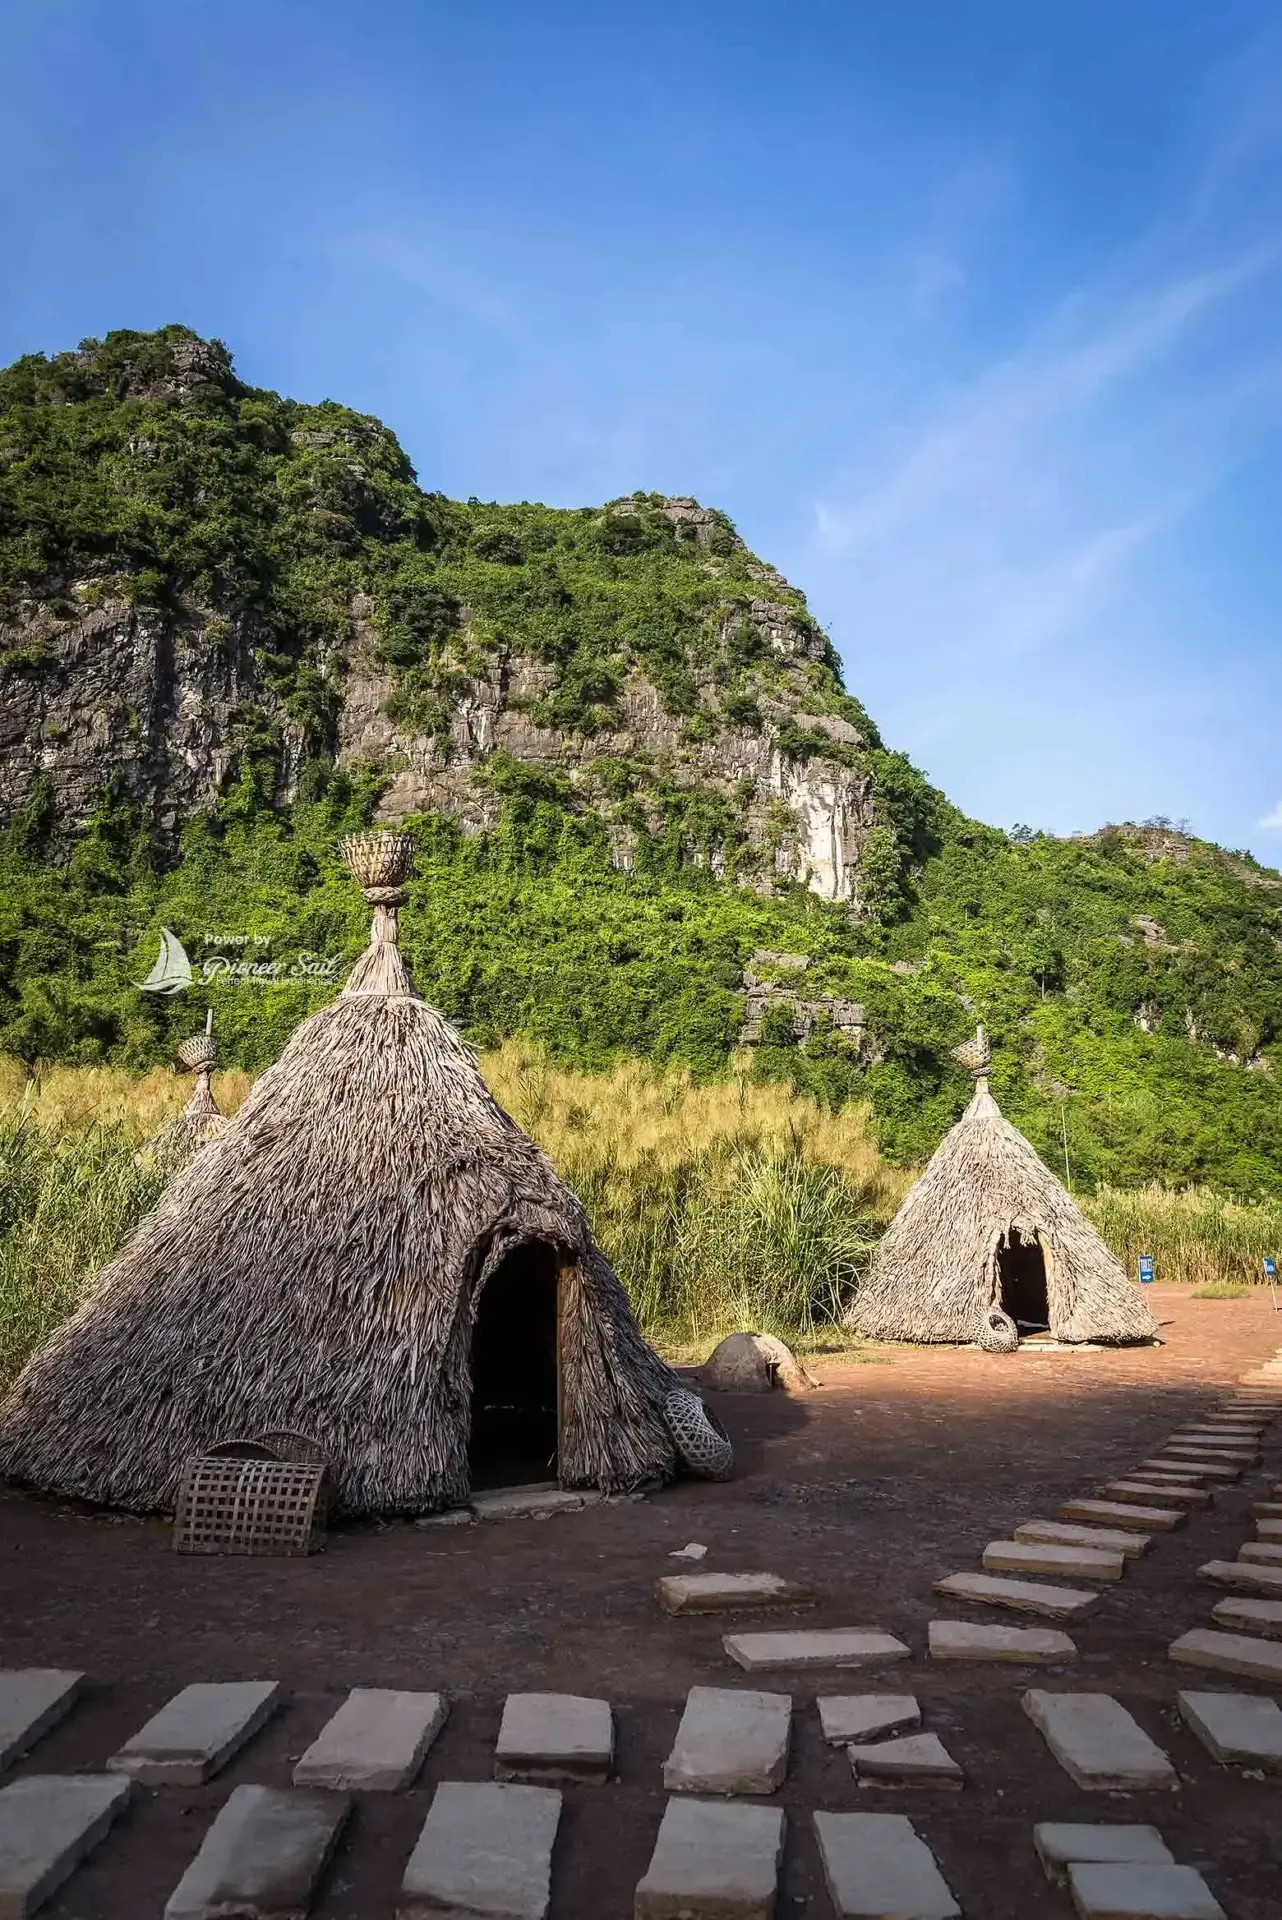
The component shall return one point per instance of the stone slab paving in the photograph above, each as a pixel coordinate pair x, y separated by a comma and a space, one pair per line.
1244, 1574
1097, 1742
1156, 1493
377, 1741
553, 1737
713, 1862
1242, 1729
1261, 1553
1019, 1596
48, 1823
1253, 1616
197, 1732
1063, 1533
1104, 1892
1213, 1441
1069, 1563
31, 1701
1026, 1646
485, 1849
846, 1718
263, 1857
1267, 1510
918, 1759
825, 1647
731, 1740
877, 1868
1229, 1653
1058, 1843
726, 1592
1125, 1513
1203, 1455
1267, 1528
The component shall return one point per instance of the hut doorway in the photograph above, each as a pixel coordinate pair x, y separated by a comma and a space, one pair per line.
515, 1373
1021, 1281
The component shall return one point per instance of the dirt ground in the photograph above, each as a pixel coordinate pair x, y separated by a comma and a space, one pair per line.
897, 1472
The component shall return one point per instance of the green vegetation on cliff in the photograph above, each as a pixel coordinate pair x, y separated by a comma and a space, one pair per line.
1132, 981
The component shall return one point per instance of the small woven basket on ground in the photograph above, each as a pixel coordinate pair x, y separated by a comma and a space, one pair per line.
267, 1495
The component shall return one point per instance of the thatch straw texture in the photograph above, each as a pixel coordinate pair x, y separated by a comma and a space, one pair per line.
936, 1276
201, 1119
318, 1267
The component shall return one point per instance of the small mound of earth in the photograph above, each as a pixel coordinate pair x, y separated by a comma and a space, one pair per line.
753, 1363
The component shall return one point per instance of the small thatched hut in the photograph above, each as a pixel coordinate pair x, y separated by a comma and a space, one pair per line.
201, 1119
989, 1245
372, 1254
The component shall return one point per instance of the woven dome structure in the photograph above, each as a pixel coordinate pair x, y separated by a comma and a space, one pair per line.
373, 1254
201, 1119
988, 1245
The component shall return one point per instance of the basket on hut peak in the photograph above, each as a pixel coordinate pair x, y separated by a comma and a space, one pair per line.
988, 1247
373, 1253
201, 1120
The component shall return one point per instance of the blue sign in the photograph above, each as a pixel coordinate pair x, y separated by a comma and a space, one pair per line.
1146, 1269
1268, 1268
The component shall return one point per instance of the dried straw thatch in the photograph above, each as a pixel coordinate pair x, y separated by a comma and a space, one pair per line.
988, 1236
319, 1267
201, 1119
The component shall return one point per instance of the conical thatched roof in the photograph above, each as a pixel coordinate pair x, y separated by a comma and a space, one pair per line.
939, 1271
318, 1268
201, 1119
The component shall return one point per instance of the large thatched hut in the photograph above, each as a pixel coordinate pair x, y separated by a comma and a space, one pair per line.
371, 1253
988, 1246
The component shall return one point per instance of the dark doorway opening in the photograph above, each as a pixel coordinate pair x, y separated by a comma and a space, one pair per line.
514, 1371
1021, 1275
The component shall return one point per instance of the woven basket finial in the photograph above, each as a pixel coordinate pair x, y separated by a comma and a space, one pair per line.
379, 863
200, 1053
975, 1055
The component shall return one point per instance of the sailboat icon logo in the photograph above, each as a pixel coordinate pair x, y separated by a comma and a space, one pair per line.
172, 971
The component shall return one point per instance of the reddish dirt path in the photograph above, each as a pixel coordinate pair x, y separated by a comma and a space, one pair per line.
898, 1472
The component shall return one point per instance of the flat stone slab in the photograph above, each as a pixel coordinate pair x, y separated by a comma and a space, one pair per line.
532, 1503
731, 1740
1062, 1533
48, 1823
485, 1850
377, 1741
1125, 1514
919, 1759
824, 1647
877, 1868
263, 1857
1241, 1729
32, 1700
1229, 1653
848, 1718
1020, 1596
1246, 1574
1059, 1843
1203, 1454
1213, 1441
1262, 1553
1157, 1493
1030, 1556
197, 1732
1225, 1470
970, 1640
553, 1737
1253, 1616
1104, 1892
726, 1592
1096, 1741
1266, 1526
713, 1862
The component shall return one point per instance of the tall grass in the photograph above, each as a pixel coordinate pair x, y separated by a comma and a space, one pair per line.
723, 1205
1195, 1235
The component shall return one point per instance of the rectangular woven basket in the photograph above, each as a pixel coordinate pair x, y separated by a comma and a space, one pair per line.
251, 1506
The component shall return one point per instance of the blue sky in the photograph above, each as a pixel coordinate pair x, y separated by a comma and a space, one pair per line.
970, 316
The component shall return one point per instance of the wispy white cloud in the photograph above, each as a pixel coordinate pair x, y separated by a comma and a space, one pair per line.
1273, 820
